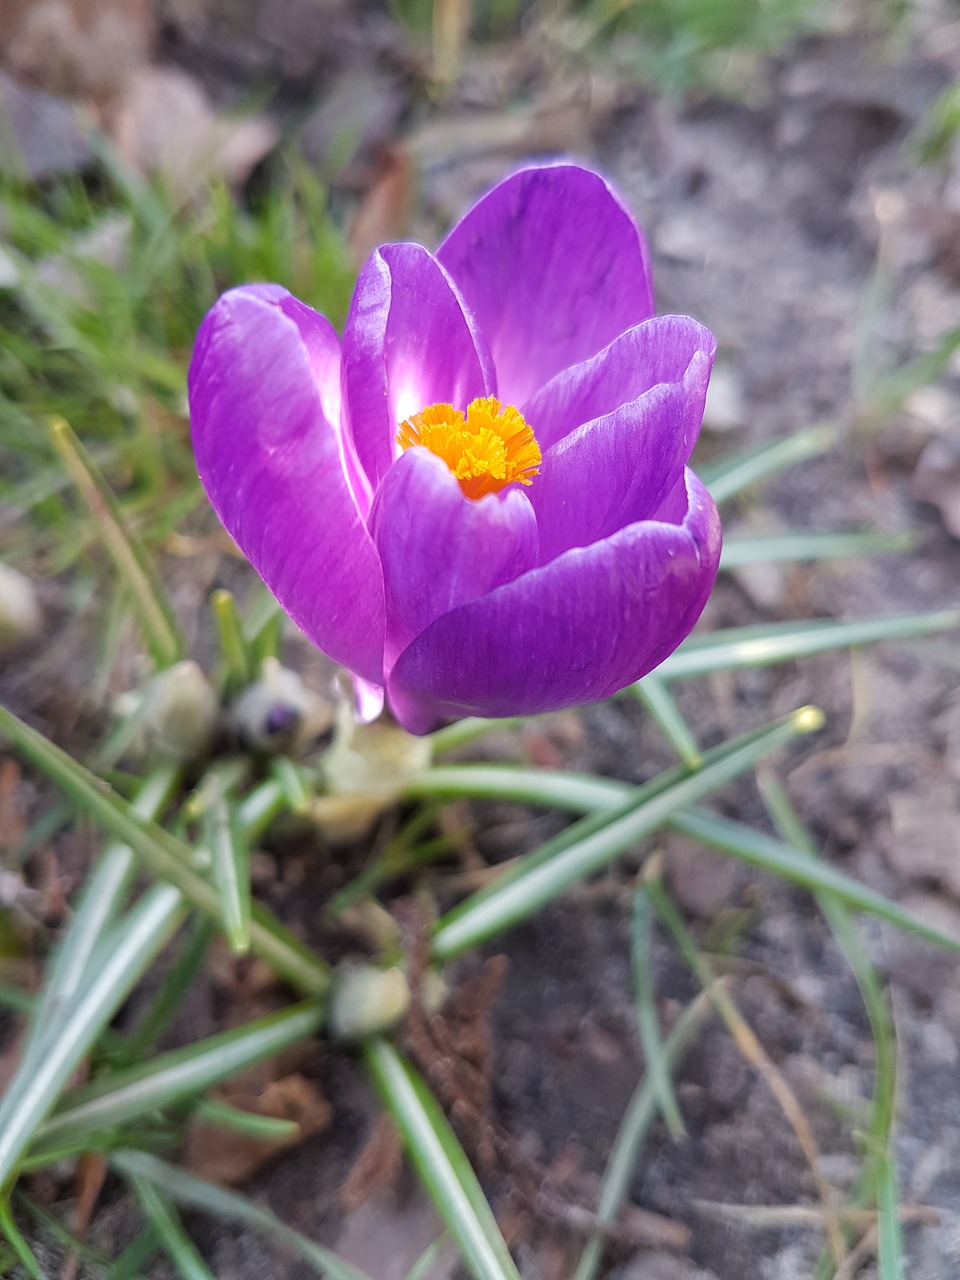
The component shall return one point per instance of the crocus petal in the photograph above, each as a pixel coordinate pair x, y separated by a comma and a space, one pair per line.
664, 349
319, 340
573, 631
270, 461
440, 549
617, 469
368, 699
673, 506
409, 342
554, 267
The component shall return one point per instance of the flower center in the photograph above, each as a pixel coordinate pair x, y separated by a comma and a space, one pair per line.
487, 448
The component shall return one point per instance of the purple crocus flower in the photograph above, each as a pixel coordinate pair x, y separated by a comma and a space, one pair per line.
478, 501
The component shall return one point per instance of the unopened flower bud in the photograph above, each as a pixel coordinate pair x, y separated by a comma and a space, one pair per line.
278, 712
365, 770
20, 617
180, 712
367, 1000
372, 922
433, 990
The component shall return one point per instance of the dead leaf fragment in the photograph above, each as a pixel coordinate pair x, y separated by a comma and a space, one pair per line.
703, 881
225, 1156
926, 834
13, 821
937, 480
78, 48
165, 125
384, 210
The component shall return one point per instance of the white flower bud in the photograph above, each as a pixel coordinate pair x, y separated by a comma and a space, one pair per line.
365, 769
278, 712
180, 713
366, 1001
20, 616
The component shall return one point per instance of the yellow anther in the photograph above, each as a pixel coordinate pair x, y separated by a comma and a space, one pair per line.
487, 448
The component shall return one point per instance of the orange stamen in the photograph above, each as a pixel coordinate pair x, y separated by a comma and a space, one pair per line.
487, 448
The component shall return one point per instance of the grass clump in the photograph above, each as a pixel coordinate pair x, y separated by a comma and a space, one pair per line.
107, 283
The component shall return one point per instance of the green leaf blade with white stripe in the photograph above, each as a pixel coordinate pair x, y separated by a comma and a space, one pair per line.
441, 1163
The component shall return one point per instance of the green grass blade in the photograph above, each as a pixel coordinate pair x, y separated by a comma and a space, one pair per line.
47, 1226
134, 944
295, 782
558, 789
763, 646
165, 856
576, 792
236, 667
16, 999
231, 871
868, 979
757, 849
534, 880
439, 1160
888, 392
136, 569
12, 1235
661, 707
221, 779
176, 1076
175, 985
424, 1266
103, 895
731, 476
639, 1116
600, 797
119, 738
751, 1049
194, 1193
889, 1235
881, 1132
249, 1123
260, 807
797, 545
653, 1050
465, 731
135, 1258
169, 1231
263, 629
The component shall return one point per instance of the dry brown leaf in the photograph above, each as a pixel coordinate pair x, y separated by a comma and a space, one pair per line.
383, 213
90, 1177
376, 1167
702, 881
248, 977
926, 840
937, 480
165, 125
225, 1156
76, 48
559, 120
13, 822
